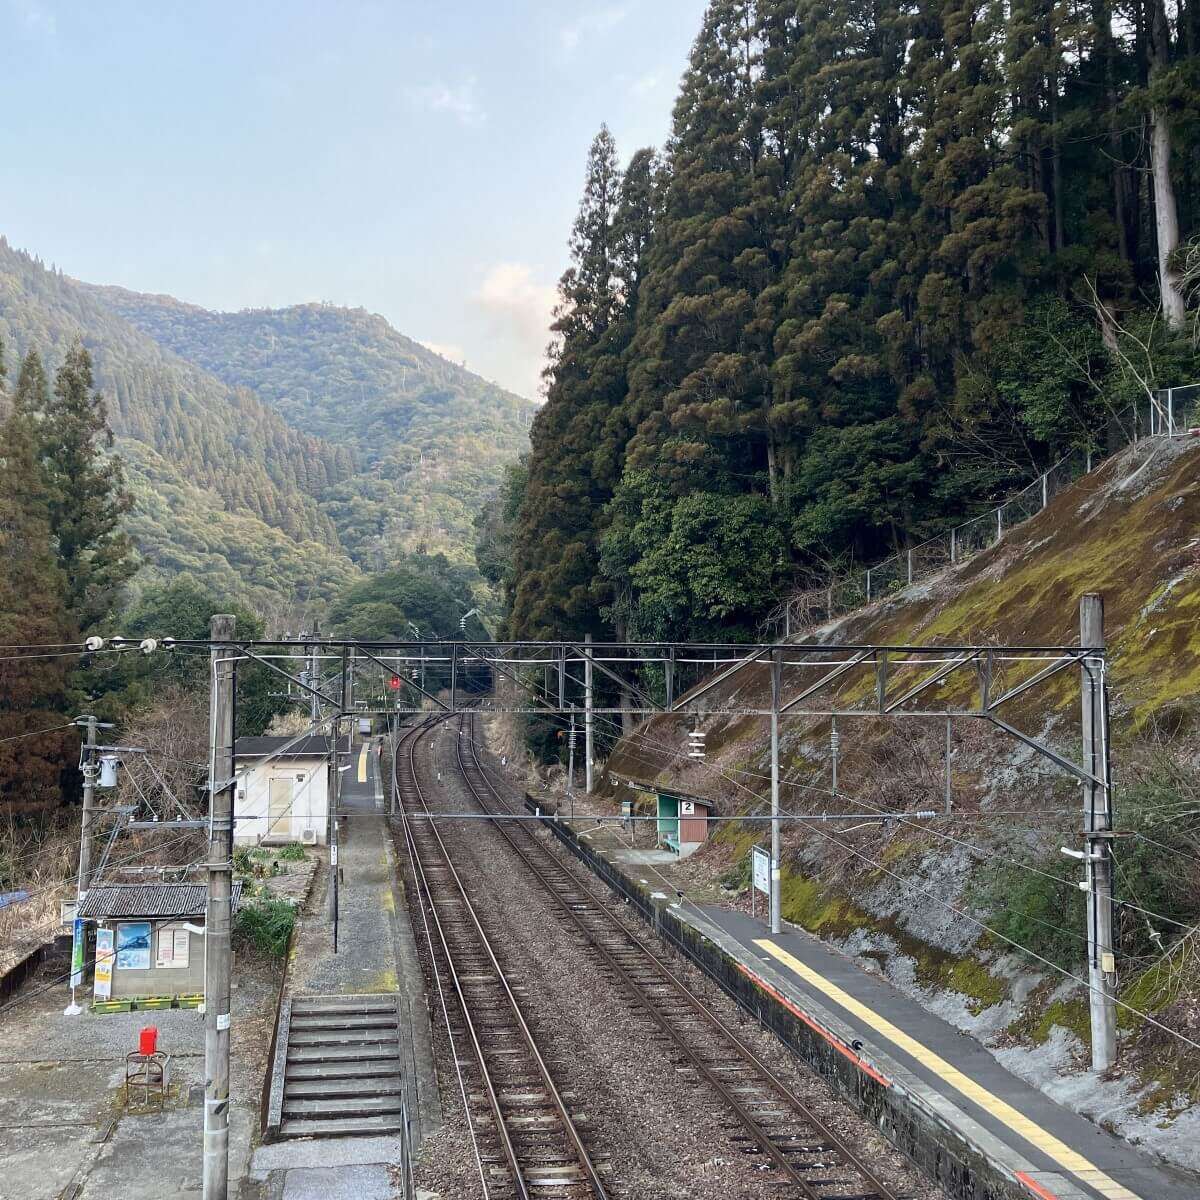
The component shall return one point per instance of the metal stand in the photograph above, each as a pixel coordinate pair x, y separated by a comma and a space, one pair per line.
151, 1073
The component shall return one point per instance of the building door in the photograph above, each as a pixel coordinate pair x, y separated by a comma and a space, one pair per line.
281, 807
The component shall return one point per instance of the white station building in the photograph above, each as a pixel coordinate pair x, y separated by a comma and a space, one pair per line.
282, 794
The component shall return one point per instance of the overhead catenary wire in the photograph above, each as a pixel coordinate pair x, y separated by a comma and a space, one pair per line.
957, 911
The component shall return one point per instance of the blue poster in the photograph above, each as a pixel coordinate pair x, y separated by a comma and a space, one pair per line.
133, 946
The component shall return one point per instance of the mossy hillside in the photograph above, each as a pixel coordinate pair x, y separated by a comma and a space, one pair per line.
828, 913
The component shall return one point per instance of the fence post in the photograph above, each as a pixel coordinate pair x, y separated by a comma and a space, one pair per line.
1045, 488
1170, 412
1089, 453
999, 522
953, 546
868, 587
829, 602
910, 566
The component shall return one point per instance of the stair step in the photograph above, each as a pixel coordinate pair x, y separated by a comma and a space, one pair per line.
335, 1037
313, 1021
361, 1052
340, 1126
371, 1068
347, 1106
309, 1005
312, 1089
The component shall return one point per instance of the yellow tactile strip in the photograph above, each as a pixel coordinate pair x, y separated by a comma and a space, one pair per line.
1058, 1151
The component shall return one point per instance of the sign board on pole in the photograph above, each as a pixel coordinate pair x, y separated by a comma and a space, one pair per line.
78, 941
760, 870
104, 963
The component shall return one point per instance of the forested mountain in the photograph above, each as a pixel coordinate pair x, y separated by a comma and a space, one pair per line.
429, 437
894, 258
324, 442
223, 486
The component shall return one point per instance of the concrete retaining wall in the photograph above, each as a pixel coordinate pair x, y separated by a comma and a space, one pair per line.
904, 1110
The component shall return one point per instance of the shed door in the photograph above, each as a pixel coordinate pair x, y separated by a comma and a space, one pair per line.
281, 807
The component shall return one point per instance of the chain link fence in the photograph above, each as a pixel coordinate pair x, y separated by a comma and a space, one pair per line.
1172, 412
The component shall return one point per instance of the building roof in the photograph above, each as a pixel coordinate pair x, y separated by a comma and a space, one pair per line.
160, 900
316, 746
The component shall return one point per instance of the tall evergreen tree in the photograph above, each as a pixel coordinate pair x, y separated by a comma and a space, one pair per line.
87, 496
32, 691
578, 438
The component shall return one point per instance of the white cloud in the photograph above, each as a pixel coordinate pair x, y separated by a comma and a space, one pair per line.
591, 24
645, 85
36, 17
520, 308
459, 100
448, 350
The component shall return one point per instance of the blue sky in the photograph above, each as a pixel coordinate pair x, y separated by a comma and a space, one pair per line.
421, 159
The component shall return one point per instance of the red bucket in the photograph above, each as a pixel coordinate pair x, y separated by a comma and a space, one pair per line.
148, 1040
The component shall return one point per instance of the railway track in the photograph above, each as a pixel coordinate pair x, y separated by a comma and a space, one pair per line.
768, 1120
527, 1139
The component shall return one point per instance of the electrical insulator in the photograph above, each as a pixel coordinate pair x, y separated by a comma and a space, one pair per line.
695, 744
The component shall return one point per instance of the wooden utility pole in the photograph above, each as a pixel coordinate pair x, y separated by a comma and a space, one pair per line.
1097, 825
218, 958
89, 806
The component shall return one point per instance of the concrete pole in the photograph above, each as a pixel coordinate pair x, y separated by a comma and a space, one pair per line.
834, 748
949, 794
89, 807
218, 959
588, 777
1097, 823
775, 905
314, 666
571, 763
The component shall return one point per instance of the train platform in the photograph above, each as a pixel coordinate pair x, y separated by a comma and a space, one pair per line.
375, 956
945, 1098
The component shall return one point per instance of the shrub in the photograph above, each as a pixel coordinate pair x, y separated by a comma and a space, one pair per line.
264, 927
292, 853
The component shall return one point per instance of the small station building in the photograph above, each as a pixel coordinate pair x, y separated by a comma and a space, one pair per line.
149, 938
283, 790
682, 821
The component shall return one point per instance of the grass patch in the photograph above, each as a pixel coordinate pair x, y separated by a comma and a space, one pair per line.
264, 927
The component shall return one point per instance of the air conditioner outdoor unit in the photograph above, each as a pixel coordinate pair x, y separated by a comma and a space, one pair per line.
308, 837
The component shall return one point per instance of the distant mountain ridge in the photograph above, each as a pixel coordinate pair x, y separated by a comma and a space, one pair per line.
430, 436
203, 458
281, 474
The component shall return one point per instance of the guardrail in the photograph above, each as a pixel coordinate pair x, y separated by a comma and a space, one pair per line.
1172, 412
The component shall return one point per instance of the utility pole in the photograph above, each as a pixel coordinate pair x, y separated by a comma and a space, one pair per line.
89, 806
336, 798
218, 953
588, 779
775, 905
1097, 824
314, 701
571, 763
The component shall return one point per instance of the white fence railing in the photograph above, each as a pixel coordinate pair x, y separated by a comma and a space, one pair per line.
1174, 412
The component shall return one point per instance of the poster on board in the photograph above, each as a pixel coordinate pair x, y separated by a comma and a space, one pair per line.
760, 869
104, 963
133, 946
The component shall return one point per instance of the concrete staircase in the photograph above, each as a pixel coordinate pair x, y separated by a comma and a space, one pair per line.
340, 1071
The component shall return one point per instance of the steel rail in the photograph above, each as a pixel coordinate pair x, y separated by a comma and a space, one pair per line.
760, 1135
553, 1095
